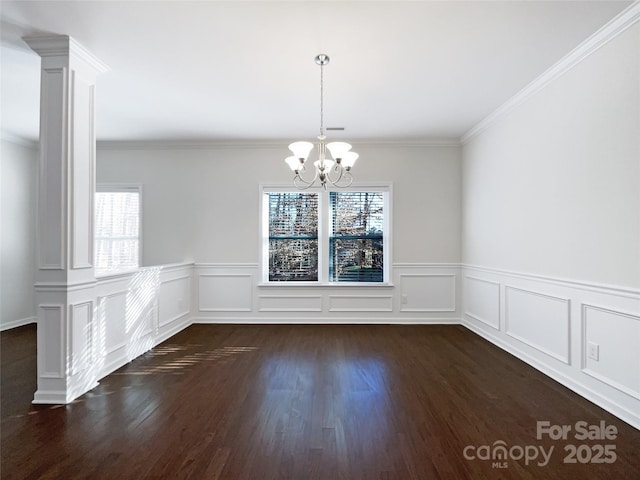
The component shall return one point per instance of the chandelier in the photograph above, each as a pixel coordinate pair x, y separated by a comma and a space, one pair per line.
333, 169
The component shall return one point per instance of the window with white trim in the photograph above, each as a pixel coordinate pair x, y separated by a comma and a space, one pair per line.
326, 236
117, 228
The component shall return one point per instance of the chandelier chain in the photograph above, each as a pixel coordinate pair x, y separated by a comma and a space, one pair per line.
321, 99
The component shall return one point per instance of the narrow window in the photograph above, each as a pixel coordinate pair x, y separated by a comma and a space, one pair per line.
117, 229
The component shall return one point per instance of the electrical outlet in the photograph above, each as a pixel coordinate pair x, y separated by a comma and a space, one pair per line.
593, 351
405, 298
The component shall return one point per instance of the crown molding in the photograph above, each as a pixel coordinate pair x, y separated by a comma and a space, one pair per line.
62, 45
601, 37
261, 144
184, 144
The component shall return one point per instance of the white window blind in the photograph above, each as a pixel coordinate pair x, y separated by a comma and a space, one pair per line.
117, 230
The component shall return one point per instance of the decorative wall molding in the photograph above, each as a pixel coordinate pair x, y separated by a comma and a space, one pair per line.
490, 297
51, 198
572, 306
290, 303
548, 323
620, 346
51, 341
360, 303
129, 306
432, 292
225, 292
435, 292
182, 300
80, 328
81, 166
538, 314
608, 32
558, 281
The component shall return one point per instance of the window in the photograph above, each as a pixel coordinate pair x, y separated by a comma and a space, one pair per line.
117, 229
293, 236
325, 236
356, 238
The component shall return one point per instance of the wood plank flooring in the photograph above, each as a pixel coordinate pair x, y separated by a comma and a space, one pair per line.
304, 402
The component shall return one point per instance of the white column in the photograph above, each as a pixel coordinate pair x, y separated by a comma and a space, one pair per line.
65, 277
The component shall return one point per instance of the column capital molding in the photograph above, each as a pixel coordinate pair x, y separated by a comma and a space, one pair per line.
64, 46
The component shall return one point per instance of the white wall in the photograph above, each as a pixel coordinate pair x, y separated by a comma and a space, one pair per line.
551, 222
17, 233
552, 187
201, 204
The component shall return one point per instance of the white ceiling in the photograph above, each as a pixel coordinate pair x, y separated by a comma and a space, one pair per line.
238, 70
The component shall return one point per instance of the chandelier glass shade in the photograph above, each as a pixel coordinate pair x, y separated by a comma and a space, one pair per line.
335, 159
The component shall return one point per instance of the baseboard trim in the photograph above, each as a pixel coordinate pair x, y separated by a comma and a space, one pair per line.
18, 323
585, 392
326, 321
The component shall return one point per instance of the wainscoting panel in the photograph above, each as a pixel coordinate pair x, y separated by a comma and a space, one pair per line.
174, 301
82, 168
52, 178
138, 310
51, 341
610, 339
360, 303
290, 303
81, 337
113, 307
428, 292
236, 293
585, 336
225, 292
539, 320
482, 300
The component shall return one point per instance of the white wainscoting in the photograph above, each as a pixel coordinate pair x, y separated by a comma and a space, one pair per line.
80, 336
539, 320
616, 336
428, 292
418, 293
50, 353
552, 324
225, 292
290, 303
482, 300
139, 310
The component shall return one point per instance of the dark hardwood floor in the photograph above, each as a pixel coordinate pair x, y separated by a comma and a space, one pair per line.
305, 402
